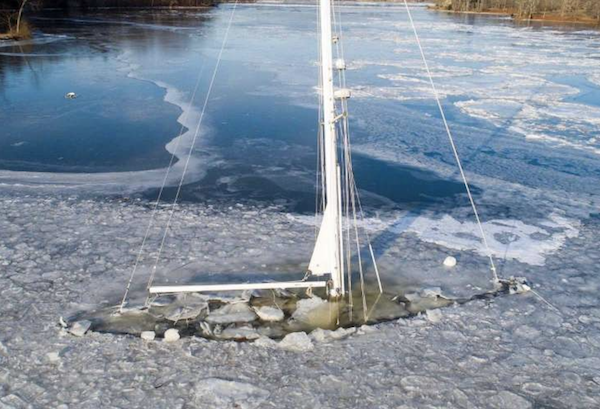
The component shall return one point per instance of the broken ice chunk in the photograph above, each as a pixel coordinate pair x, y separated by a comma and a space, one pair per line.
269, 313
265, 342
79, 328
239, 333
412, 297
305, 306
231, 313
185, 312
53, 357
431, 292
325, 335
148, 335
315, 312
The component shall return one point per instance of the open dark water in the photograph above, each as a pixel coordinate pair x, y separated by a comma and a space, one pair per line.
259, 133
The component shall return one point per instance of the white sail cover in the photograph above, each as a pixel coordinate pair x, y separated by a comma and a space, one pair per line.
323, 260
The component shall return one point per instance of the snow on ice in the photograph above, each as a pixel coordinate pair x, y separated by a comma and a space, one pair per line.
486, 341
62, 253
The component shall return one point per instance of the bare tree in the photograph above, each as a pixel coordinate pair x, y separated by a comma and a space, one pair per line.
20, 15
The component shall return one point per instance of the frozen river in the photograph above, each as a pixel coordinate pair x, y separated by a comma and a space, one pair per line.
77, 180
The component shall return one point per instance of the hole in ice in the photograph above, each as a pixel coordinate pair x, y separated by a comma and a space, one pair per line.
271, 313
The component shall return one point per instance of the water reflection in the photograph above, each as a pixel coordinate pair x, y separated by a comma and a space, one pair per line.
117, 123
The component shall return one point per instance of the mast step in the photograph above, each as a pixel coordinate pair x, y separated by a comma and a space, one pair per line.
203, 288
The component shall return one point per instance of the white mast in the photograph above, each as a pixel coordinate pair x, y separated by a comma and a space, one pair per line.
327, 257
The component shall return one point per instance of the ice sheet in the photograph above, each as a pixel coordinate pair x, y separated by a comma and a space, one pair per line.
528, 70
128, 182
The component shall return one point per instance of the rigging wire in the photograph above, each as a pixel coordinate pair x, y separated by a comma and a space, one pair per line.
197, 131
362, 217
453, 145
161, 190
349, 168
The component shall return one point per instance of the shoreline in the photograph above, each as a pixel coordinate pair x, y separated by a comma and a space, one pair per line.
537, 18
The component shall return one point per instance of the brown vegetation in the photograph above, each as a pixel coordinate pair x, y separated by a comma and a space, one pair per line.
558, 10
12, 23
92, 4
11, 27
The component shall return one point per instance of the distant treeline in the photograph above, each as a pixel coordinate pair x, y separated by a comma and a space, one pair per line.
14, 14
529, 9
90, 4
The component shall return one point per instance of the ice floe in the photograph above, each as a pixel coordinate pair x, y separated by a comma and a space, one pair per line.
222, 393
194, 160
267, 313
148, 335
296, 342
171, 335
528, 243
